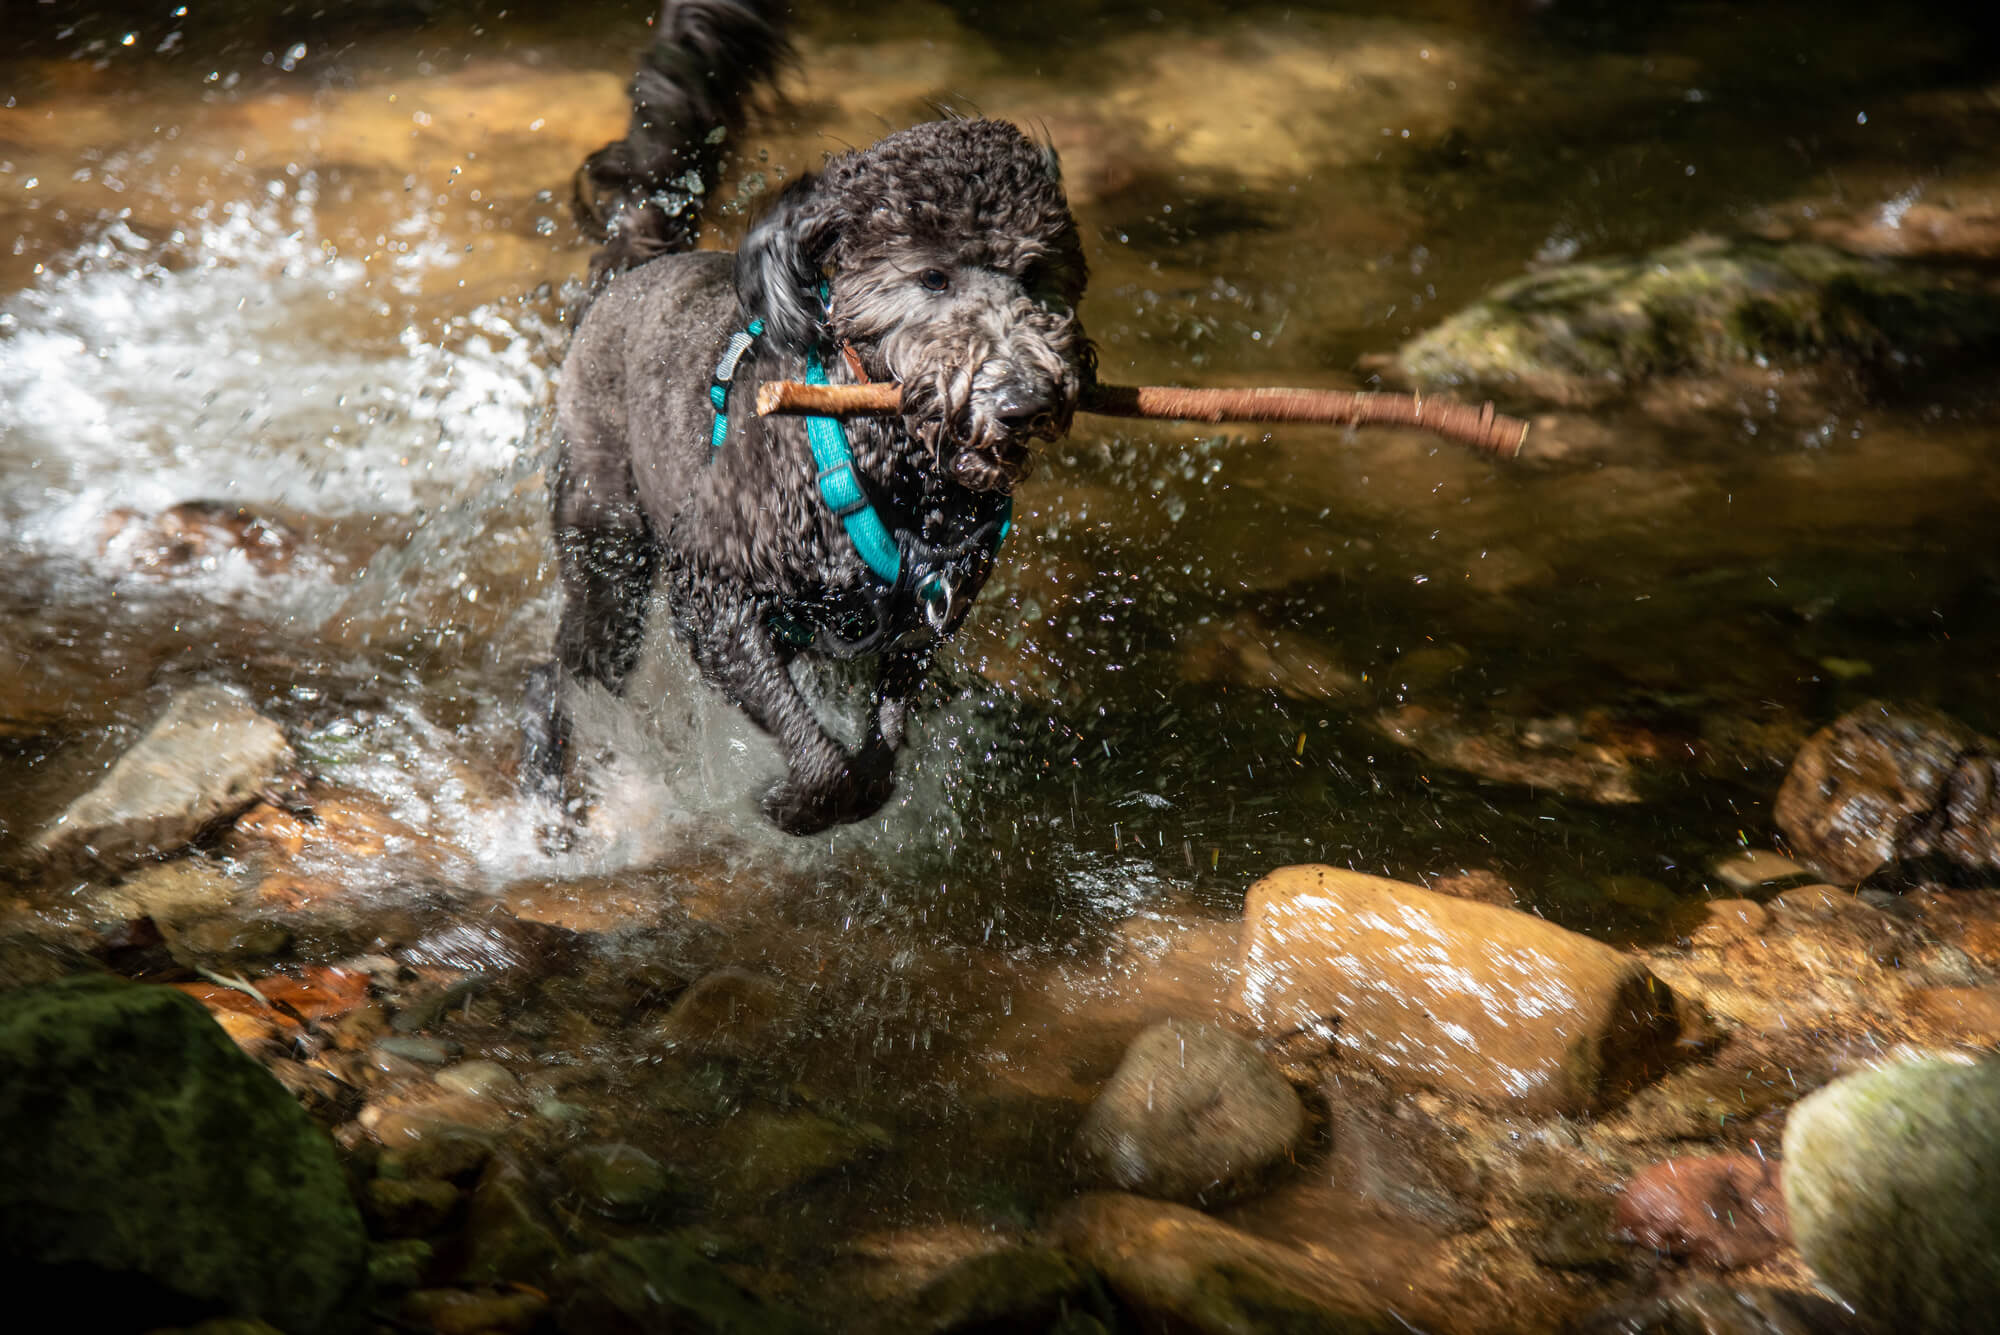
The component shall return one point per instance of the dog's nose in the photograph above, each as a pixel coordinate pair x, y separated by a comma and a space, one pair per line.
1026, 407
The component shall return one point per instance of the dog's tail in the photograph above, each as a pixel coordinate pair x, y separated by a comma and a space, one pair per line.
642, 195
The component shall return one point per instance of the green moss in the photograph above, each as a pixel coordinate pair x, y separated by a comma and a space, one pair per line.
1586, 330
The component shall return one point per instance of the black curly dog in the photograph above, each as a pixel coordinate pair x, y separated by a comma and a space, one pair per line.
944, 258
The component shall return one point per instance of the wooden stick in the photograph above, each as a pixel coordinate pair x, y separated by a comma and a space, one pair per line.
1481, 427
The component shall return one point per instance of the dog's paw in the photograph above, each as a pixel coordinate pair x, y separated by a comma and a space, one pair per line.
857, 794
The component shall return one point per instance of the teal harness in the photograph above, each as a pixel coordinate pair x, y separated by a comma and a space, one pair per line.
918, 583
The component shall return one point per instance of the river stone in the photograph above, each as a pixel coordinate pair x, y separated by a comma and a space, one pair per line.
1450, 993
1893, 1179
1014, 1289
160, 1173
1579, 333
1705, 1307
1182, 1270
206, 758
1891, 783
652, 1284
619, 1181
1192, 1113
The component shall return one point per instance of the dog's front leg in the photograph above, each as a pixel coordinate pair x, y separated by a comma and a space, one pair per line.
902, 676
823, 784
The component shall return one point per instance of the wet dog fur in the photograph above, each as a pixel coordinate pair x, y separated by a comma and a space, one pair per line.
950, 263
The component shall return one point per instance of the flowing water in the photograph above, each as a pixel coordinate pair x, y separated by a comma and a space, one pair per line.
315, 270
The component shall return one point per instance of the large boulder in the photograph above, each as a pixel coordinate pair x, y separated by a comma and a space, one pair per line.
155, 1174
1193, 1113
1892, 1177
1580, 332
206, 758
1893, 783
1450, 993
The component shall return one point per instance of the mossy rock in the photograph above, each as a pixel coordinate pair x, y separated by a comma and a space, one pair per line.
1584, 332
153, 1174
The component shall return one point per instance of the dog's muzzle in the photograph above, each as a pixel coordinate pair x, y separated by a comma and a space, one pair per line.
996, 451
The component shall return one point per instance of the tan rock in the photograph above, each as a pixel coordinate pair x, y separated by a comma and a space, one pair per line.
1756, 866
1731, 920
1965, 1014
1450, 993
205, 758
1188, 1271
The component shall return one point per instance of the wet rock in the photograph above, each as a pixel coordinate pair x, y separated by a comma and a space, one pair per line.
1708, 1308
432, 1051
1578, 1234
408, 1207
206, 758
443, 1150
479, 1080
1754, 867
1893, 783
1553, 759
1017, 1289
197, 535
620, 1181
1395, 1166
769, 1152
401, 1126
150, 1164
394, 1267
1245, 652
1969, 1015
1584, 332
1726, 1210
641, 1285
1889, 1175
464, 1312
1183, 1270
730, 1013
1713, 1099
508, 1236
1450, 993
1725, 920
1488, 887
1193, 1113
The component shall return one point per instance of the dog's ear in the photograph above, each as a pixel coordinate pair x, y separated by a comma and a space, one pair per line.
778, 266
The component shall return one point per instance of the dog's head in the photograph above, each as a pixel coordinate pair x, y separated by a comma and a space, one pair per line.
952, 265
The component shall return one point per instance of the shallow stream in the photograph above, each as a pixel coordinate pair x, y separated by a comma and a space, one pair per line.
314, 270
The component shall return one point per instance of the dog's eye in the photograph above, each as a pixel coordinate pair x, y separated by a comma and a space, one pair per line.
934, 280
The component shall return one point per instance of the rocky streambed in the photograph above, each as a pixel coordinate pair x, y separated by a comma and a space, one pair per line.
1359, 1104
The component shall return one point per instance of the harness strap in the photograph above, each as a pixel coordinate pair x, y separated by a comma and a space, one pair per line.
725, 371
841, 489
936, 577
